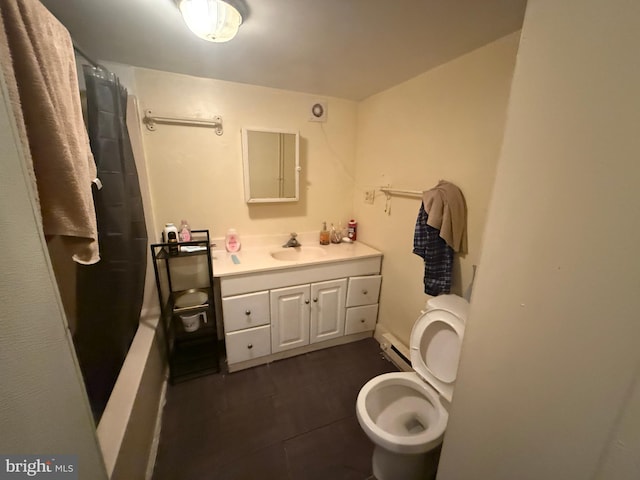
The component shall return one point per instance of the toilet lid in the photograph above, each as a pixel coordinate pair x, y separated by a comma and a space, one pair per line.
436, 339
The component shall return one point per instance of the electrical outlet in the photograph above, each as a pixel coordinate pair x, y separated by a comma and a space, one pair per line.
369, 196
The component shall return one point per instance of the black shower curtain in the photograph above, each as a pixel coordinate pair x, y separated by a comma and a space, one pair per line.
109, 293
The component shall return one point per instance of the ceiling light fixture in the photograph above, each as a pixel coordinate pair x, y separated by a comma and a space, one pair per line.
212, 20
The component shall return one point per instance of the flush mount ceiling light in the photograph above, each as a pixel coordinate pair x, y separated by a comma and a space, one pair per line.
212, 20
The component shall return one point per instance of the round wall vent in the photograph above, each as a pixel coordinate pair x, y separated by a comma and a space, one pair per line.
318, 112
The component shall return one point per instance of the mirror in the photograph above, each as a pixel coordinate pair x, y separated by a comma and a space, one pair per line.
271, 165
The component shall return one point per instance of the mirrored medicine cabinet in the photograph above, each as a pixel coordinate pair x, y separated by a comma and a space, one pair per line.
271, 165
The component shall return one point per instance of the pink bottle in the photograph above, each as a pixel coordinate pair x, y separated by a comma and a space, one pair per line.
232, 241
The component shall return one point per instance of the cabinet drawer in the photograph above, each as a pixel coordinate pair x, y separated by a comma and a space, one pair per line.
363, 290
248, 344
361, 319
245, 311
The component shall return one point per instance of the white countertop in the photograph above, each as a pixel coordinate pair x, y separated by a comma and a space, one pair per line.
258, 258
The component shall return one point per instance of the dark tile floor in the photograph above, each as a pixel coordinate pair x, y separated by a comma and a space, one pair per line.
293, 419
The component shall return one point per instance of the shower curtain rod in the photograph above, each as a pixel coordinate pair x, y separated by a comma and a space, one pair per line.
87, 57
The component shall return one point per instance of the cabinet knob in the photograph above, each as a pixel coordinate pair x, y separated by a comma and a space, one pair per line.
307, 301
362, 320
315, 299
364, 292
250, 346
247, 312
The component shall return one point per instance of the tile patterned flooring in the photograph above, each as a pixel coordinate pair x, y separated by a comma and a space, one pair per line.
293, 419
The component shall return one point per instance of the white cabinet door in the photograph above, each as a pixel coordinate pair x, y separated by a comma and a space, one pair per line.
289, 318
327, 310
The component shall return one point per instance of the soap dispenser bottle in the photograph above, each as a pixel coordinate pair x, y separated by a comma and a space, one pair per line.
324, 235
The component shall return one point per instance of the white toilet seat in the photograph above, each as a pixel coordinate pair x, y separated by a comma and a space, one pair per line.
436, 339
410, 412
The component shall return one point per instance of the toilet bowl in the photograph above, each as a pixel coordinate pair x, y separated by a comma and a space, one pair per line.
403, 413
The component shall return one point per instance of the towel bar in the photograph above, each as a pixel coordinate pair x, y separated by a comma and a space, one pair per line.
150, 121
400, 192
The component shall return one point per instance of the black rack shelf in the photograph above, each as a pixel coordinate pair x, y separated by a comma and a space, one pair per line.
190, 353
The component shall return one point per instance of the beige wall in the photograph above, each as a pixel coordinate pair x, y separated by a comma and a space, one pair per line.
197, 175
444, 124
547, 385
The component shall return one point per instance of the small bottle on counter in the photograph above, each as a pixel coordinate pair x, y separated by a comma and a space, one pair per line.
232, 241
336, 235
352, 230
168, 227
325, 236
173, 243
171, 237
185, 232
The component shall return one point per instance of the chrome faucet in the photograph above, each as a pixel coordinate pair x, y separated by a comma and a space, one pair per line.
292, 242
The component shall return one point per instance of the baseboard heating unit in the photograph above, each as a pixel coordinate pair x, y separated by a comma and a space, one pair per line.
396, 352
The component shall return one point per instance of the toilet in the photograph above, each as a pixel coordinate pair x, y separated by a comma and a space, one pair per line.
403, 413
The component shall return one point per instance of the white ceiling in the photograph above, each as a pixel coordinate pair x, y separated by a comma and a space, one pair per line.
342, 48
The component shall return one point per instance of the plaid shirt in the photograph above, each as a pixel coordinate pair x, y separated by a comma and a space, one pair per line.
437, 256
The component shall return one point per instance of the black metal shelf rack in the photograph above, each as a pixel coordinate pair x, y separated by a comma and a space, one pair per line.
190, 353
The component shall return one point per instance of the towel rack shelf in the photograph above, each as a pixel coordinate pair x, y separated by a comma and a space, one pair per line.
151, 120
401, 192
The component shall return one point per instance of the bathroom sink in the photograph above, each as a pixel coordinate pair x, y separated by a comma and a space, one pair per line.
295, 254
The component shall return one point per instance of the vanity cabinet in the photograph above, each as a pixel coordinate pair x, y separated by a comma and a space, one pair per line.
276, 314
307, 314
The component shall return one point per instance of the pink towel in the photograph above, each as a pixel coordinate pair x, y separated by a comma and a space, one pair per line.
45, 72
